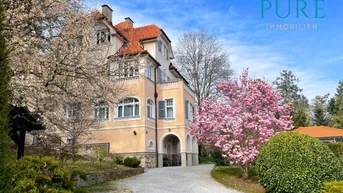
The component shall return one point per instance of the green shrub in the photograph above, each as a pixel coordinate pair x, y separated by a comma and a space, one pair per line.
337, 149
206, 160
118, 159
295, 162
218, 158
132, 162
333, 187
34, 175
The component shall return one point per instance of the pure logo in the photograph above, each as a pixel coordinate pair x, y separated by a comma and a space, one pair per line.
301, 8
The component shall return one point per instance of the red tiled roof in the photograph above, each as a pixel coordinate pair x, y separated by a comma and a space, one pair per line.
320, 131
135, 35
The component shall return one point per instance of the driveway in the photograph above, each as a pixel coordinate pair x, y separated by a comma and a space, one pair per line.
195, 179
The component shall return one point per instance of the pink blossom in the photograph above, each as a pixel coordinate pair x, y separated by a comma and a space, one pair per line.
239, 122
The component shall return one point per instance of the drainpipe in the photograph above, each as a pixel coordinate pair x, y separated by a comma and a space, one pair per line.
155, 95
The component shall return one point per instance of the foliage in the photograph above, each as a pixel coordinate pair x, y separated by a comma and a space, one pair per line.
211, 66
337, 149
333, 187
320, 117
287, 85
132, 162
300, 117
295, 162
218, 158
32, 174
206, 160
102, 155
80, 190
242, 119
5, 75
118, 159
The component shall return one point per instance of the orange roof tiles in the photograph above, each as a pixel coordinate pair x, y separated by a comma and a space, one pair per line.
135, 35
320, 131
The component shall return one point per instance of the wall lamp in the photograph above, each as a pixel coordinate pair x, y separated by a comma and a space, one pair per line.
134, 132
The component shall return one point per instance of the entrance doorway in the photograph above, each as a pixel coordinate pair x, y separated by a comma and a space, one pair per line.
171, 151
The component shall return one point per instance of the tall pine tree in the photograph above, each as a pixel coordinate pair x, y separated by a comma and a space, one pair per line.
287, 85
337, 114
5, 73
320, 115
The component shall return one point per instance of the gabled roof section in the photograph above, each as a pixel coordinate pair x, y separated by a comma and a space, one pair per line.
136, 35
99, 16
176, 73
320, 131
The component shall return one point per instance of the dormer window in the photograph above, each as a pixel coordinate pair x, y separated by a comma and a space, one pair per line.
103, 36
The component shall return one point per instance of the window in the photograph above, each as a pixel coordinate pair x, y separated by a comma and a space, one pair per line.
150, 111
189, 111
103, 36
160, 45
150, 73
162, 76
166, 109
166, 52
169, 109
127, 70
127, 108
101, 111
70, 110
151, 145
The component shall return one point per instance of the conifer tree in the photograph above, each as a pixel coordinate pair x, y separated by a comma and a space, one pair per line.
4, 100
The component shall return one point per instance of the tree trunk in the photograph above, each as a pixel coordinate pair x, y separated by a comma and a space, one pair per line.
245, 170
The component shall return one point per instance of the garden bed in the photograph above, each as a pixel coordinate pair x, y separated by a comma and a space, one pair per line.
232, 178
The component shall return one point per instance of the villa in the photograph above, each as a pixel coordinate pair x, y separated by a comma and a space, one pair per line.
152, 123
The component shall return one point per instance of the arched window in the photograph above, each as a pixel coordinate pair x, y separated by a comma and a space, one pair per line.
127, 108
101, 111
151, 145
150, 109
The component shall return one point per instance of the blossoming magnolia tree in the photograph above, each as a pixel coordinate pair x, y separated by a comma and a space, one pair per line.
245, 115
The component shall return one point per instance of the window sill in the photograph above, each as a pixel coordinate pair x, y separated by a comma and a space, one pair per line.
151, 119
127, 118
169, 119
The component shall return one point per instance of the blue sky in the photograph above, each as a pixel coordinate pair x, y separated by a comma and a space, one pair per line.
315, 56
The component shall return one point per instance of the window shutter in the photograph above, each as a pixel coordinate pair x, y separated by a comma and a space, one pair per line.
161, 109
186, 109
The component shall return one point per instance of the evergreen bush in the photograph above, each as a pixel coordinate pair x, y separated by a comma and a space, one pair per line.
132, 162
295, 162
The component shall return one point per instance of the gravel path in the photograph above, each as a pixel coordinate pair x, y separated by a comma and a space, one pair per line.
195, 179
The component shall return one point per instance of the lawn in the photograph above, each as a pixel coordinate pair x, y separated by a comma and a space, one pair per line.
232, 178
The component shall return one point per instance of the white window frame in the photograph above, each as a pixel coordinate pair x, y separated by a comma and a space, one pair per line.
190, 111
153, 145
122, 104
152, 107
96, 111
105, 33
150, 72
70, 110
169, 106
126, 70
160, 45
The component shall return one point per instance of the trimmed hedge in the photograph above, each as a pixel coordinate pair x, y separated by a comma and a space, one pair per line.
295, 162
132, 162
337, 149
333, 187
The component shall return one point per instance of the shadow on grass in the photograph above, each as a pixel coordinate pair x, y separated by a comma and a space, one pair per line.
232, 178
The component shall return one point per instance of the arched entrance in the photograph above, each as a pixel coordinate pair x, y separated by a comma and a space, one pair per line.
171, 147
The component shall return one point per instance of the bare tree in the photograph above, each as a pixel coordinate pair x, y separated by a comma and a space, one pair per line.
56, 60
203, 61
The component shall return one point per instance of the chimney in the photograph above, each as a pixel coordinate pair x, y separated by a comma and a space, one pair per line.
129, 20
107, 12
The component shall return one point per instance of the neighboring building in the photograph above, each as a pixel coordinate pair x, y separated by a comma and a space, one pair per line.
129, 127
323, 133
